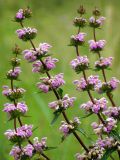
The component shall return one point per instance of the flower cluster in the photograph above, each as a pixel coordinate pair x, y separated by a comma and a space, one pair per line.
80, 22
49, 63
66, 128
39, 145
89, 84
13, 74
96, 46
107, 142
20, 133
64, 103
27, 152
12, 94
96, 23
97, 106
15, 110
22, 14
95, 152
112, 112
103, 63
109, 86
48, 84
110, 124
33, 55
78, 39
79, 64
26, 33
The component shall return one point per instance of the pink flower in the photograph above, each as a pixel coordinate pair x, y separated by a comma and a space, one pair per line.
20, 15
40, 145
20, 107
52, 83
15, 152
80, 63
30, 55
13, 74
96, 46
84, 84
22, 132
96, 22
49, 63
78, 39
99, 105
28, 150
65, 102
104, 62
26, 33
43, 48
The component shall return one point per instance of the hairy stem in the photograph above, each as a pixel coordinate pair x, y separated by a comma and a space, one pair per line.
103, 72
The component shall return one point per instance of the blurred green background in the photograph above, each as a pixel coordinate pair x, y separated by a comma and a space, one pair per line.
54, 19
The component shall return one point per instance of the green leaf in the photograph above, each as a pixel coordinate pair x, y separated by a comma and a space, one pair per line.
50, 148
60, 92
115, 134
56, 115
87, 115
108, 152
35, 129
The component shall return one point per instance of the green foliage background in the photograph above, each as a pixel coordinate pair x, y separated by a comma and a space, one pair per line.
53, 19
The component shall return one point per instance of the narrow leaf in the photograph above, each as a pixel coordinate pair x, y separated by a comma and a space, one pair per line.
108, 153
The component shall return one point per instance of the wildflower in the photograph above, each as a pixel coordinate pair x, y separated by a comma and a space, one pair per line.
88, 84
78, 39
80, 22
30, 55
96, 46
15, 110
19, 15
15, 152
39, 145
12, 94
13, 73
110, 124
20, 134
26, 33
103, 63
109, 86
112, 112
65, 103
52, 83
66, 128
107, 142
43, 48
49, 64
28, 150
96, 23
97, 106
79, 64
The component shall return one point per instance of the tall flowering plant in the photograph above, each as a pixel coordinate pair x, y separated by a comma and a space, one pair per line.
108, 138
20, 136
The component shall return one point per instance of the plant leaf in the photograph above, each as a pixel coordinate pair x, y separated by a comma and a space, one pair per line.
108, 152
50, 148
87, 115
115, 135
56, 115
60, 92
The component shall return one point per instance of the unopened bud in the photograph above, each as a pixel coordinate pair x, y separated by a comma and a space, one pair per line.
81, 10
